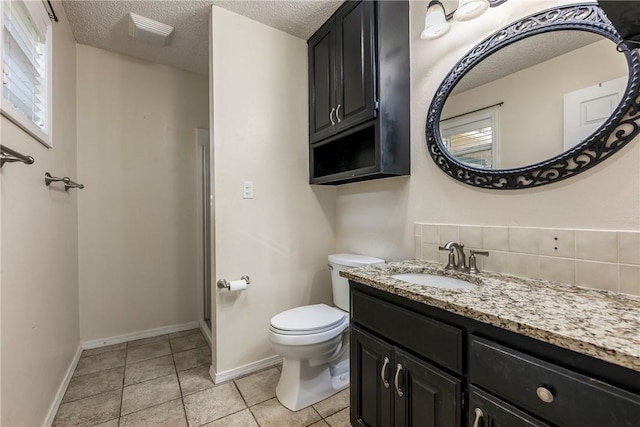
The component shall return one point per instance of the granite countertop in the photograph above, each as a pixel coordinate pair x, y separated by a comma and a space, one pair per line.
598, 323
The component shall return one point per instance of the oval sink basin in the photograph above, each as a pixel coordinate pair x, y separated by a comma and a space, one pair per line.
432, 280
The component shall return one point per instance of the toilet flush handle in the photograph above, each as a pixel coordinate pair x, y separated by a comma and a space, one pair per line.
330, 266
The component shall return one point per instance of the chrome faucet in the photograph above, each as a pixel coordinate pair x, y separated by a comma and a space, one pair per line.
460, 263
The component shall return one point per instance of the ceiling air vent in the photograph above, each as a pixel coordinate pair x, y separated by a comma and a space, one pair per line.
150, 31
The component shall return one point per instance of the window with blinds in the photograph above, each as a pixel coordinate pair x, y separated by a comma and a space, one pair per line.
26, 66
472, 138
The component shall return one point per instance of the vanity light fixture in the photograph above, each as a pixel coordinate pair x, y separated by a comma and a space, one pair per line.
469, 9
436, 19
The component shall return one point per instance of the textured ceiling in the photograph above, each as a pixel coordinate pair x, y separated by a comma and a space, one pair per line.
524, 54
104, 24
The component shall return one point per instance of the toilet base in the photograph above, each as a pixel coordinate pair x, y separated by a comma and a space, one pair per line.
302, 385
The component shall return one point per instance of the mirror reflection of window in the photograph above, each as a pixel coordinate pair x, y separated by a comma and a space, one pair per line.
472, 138
531, 77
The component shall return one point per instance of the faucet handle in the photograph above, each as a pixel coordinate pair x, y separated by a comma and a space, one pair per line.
451, 265
482, 253
472, 260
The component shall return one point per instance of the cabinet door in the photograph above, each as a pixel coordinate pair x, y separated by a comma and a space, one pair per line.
355, 53
486, 410
322, 93
370, 380
424, 396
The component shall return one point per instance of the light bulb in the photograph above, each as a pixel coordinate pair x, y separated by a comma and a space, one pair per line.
435, 22
469, 9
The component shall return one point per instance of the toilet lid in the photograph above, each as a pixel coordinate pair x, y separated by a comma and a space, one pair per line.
308, 319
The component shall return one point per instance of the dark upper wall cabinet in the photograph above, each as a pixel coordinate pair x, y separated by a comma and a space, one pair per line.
341, 71
359, 93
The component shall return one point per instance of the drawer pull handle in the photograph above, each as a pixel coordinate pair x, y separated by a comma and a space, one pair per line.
544, 394
333, 123
479, 415
396, 380
384, 373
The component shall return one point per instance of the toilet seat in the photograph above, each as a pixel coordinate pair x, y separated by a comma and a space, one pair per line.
308, 319
310, 324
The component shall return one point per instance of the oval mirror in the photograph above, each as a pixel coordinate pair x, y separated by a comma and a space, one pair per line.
536, 102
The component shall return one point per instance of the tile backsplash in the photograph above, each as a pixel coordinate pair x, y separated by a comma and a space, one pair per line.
595, 258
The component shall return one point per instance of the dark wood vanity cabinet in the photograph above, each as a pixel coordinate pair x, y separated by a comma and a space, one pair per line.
558, 395
371, 390
390, 384
393, 388
359, 93
486, 410
416, 365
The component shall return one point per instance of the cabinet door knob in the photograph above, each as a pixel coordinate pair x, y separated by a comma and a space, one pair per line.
396, 380
333, 123
384, 373
338, 113
479, 415
544, 394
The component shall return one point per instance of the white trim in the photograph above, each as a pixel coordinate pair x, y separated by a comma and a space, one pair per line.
206, 331
18, 118
220, 377
55, 405
148, 333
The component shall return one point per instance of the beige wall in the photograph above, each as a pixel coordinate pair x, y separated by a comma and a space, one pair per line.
136, 156
282, 237
39, 275
376, 218
531, 120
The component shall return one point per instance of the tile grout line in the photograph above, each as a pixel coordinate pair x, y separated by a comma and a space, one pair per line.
125, 348
93, 395
245, 402
321, 417
175, 368
148, 407
124, 374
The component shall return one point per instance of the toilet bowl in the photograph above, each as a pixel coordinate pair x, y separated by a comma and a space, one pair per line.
314, 342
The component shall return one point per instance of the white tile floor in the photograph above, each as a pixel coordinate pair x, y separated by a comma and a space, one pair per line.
164, 381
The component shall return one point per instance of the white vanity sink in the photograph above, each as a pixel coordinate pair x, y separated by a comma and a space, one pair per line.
432, 280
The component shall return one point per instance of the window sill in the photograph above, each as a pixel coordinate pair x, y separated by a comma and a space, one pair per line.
17, 117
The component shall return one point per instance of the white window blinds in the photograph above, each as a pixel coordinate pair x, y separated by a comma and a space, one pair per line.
25, 63
472, 139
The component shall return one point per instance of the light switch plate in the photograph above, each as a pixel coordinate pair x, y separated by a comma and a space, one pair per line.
247, 190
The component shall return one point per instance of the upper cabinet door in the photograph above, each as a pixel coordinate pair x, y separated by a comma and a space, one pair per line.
322, 92
355, 52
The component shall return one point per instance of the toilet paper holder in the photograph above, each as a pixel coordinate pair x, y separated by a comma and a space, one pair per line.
224, 283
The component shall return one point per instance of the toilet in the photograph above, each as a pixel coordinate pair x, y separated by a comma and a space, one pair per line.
314, 342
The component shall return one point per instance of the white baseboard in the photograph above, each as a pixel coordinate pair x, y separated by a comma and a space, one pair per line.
53, 409
206, 331
102, 342
220, 377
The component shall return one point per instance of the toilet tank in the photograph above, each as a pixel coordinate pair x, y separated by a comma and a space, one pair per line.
339, 262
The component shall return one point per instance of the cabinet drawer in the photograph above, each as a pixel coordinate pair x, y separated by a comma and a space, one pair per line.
575, 400
429, 338
497, 413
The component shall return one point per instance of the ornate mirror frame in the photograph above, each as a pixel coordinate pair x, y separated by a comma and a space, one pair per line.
615, 133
